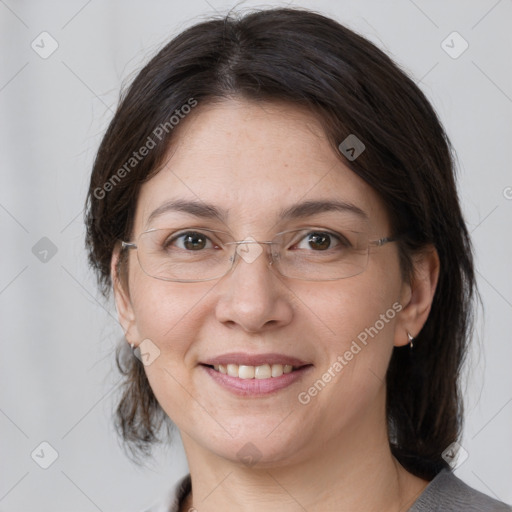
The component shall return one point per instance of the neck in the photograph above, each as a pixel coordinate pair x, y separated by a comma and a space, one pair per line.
354, 471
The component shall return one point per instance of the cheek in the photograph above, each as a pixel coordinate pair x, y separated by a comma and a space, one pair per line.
356, 320
171, 315
168, 313
347, 309
356, 347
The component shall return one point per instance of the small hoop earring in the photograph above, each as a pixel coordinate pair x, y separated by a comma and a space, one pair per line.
411, 339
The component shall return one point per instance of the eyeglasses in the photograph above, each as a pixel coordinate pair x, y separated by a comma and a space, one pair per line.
199, 254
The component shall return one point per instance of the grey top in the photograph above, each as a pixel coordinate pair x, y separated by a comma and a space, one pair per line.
445, 493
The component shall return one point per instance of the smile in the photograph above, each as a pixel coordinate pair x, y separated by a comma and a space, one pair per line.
255, 375
264, 371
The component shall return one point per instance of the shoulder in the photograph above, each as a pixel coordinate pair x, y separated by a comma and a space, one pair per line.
446, 493
173, 500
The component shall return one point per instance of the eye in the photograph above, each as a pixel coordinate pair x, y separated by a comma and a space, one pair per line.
322, 241
190, 241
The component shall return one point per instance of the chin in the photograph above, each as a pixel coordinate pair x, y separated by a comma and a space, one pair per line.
258, 444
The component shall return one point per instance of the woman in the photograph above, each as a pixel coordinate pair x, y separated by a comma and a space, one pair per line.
275, 208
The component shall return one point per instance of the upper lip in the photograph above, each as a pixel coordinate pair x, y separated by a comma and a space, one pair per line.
242, 358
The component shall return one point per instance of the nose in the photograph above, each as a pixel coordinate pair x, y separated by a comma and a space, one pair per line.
252, 296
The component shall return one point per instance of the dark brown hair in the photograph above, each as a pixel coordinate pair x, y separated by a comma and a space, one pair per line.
300, 57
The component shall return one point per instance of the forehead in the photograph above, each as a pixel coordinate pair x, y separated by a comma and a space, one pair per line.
254, 161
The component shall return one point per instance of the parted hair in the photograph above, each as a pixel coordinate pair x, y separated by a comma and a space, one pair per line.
303, 58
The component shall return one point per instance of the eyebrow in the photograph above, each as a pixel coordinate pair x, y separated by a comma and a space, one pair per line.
296, 211
196, 208
308, 208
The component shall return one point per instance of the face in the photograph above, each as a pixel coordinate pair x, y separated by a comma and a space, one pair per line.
252, 162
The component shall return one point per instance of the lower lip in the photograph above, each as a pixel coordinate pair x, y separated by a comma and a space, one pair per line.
256, 387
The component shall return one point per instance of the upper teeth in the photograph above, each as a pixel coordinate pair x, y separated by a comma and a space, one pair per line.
264, 371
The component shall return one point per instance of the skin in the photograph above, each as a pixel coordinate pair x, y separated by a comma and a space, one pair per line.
333, 453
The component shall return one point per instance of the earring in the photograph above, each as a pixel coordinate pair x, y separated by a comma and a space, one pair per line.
411, 339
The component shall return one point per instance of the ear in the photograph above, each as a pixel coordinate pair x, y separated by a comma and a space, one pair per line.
124, 306
417, 295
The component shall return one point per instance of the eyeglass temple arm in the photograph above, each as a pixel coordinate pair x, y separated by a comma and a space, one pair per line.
384, 240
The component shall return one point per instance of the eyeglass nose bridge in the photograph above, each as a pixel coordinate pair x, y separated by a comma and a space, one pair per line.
250, 255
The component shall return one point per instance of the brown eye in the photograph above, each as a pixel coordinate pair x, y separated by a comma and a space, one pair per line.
319, 241
194, 241
188, 241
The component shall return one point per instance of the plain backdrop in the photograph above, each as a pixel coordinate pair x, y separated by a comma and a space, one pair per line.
57, 337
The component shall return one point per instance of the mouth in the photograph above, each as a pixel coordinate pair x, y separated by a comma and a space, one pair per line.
255, 375
263, 371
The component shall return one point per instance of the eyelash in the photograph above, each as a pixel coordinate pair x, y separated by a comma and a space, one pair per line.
341, 239
185, 233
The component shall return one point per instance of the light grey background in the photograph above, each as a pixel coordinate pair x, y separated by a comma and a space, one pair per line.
57, 339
